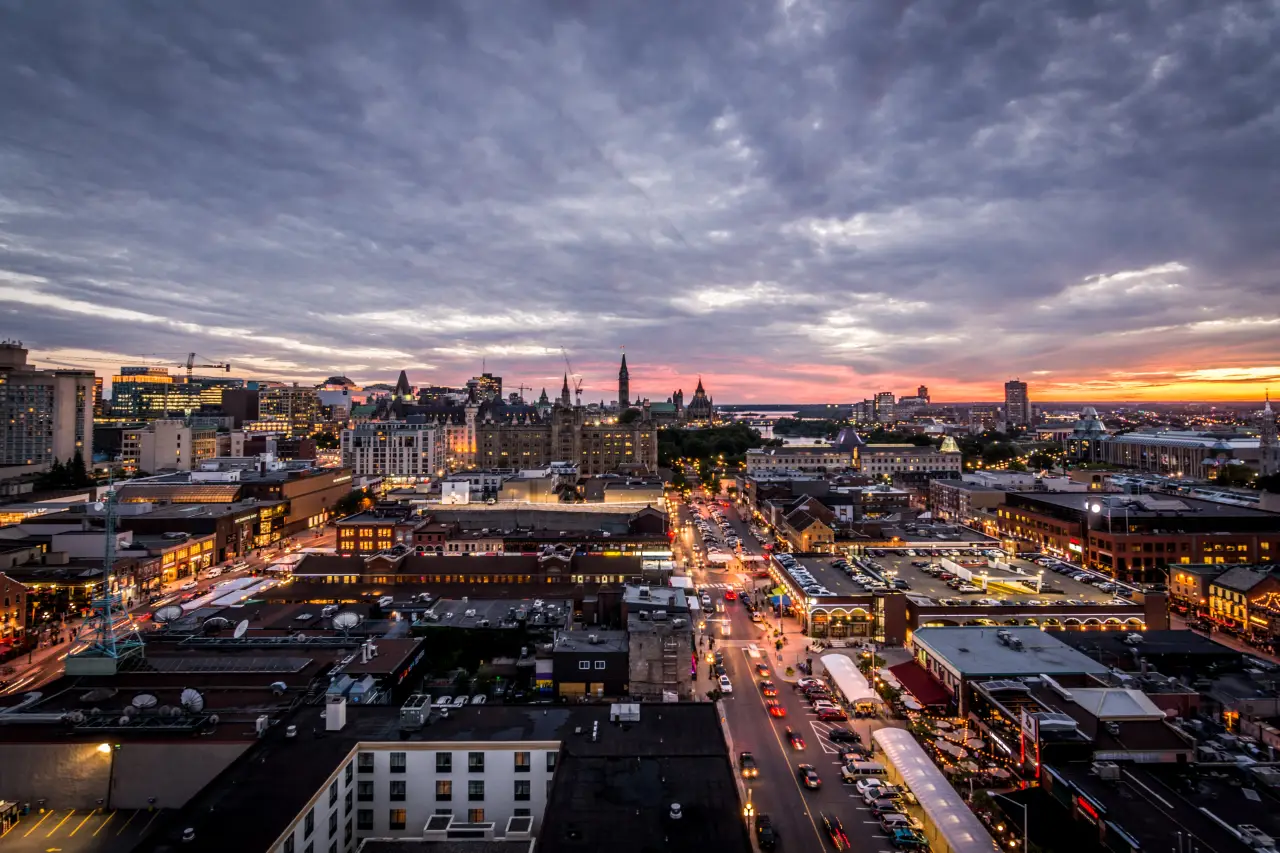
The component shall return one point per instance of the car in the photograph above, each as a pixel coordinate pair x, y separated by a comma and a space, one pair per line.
189, 585
794, 738
886, 793
832, 715
720, 670
766, 835
747, 765
730, 595
775, 708
835, 832
864, 786
820, 703
910, 839
808, 682
762, 670
842, 735
725, 685
883, 807
893, 820
853, 752
768, 688
808, 776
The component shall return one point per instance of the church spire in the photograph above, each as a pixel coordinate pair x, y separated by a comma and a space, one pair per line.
564, 391
403, 389
624, 385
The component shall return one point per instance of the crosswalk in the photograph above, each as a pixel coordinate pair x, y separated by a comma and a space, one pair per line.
718, 586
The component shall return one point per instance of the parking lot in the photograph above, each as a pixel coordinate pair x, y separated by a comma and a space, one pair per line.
79, 831
1057, 589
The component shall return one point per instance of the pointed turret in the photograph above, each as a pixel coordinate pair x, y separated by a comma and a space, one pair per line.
403, 388
564, 391
624, 385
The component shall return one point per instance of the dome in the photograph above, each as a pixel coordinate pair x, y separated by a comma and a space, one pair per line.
339, 380
1088, 412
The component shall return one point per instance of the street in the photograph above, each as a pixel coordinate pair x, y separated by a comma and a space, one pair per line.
795, 811
46, 664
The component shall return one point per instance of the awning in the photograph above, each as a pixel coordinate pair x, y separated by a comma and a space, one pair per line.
920, 684
948, 814
785, 600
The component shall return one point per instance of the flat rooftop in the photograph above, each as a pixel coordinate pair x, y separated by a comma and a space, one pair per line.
1146, 506
831, 577
1111, 648
978, 652
1153, 803
1057, 588
497, 613
612, 793
581, 641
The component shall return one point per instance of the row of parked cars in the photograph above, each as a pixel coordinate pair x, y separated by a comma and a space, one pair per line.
803, 577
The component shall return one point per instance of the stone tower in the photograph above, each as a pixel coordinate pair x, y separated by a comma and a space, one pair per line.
624, 385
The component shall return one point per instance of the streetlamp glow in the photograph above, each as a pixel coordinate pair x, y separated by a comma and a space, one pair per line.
104, 748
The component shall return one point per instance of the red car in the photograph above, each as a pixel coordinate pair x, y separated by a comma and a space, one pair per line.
830, 715
768, 688
775, 708
730, 595
762, 670
835, 831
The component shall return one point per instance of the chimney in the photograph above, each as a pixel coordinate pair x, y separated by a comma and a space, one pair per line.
335, 714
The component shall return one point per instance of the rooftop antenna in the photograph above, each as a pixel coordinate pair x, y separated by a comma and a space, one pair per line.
108, 642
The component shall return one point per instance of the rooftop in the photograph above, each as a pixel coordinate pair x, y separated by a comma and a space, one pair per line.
591, 641
497, 613
1144, 506
673, 753
979, 652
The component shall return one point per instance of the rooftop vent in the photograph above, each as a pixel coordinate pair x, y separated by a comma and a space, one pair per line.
676, 813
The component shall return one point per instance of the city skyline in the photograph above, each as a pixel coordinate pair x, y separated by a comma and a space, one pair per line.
812, 202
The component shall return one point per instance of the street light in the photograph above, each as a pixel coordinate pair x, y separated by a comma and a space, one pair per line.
1026, 826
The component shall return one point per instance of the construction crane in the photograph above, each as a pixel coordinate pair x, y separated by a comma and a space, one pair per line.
522, 389
191, 365
577, 380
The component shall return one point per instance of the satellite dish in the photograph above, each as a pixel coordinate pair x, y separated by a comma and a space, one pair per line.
216, 623
241, 628
279, 687
124, 720
192, 700
98, 506
98, 694
346, 620
130, 711
143, 701
168, 613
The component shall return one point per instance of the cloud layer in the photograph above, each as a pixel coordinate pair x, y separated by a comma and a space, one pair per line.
800, 200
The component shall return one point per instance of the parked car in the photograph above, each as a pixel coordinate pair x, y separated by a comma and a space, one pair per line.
725, 685
909, 839
842, 735
831, 715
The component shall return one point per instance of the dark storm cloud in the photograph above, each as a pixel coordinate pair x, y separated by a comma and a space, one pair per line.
949, 190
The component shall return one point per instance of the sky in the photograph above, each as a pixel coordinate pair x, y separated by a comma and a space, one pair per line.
799, 200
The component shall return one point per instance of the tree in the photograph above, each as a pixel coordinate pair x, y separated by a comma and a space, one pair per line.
1270, 483
354, 501
630, 416
1234, 476
77, 473
1041, 460
325, 441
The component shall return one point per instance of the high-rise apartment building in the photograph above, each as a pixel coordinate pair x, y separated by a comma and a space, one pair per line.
167, 445
45, 415
885, 407
1017, 405
395, 449
296, 409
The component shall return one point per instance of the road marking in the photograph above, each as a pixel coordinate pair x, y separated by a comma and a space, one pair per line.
127, 822
60, 823
37, 826
103, 825
83, 822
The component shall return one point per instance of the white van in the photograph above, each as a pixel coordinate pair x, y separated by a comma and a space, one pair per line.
855, 770
753, 650
214, 572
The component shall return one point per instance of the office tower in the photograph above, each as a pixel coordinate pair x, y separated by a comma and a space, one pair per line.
923, 393
1017, 405
45, 415
885, 403
296, 409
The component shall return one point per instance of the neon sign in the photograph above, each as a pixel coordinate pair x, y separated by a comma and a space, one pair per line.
1086, 807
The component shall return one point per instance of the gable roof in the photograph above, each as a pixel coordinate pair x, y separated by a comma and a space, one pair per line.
1115, 703
1241, 578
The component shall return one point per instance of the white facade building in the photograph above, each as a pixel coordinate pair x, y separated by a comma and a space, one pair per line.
819, 457
391, 790
395, 449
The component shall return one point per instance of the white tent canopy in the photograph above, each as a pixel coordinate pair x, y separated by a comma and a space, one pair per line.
851, 683
957, 827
